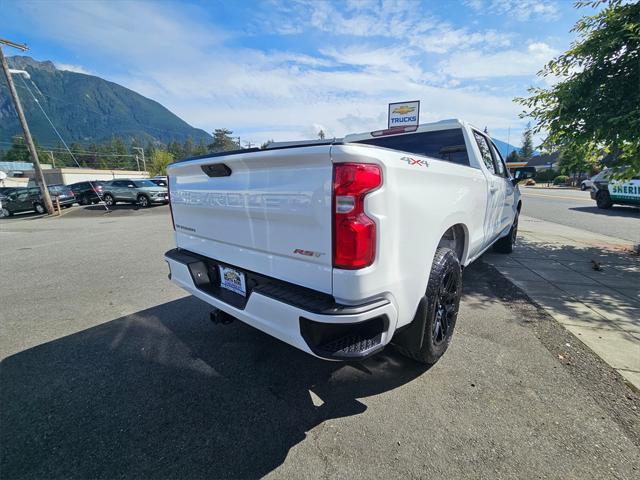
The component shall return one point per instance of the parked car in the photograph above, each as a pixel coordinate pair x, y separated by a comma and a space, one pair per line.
364, 249
586, 184
141, 191
7, 190
30, 199
608, 192
87, 192
160, 181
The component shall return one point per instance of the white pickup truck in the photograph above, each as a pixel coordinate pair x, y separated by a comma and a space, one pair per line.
339, 248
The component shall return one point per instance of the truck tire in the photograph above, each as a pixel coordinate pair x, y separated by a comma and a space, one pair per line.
39, 208
603, 199
506, 243
442, 300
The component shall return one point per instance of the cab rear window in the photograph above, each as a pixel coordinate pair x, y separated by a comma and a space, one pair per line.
442, 144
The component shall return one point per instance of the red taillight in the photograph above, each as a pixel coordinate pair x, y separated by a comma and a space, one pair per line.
170, 207
354, 234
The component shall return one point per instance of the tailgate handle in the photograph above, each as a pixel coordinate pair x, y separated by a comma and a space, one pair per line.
216, 170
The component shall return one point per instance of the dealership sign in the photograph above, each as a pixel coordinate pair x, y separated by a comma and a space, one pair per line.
404, 114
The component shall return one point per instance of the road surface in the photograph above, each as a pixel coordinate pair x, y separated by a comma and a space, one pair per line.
109, 371
576, 209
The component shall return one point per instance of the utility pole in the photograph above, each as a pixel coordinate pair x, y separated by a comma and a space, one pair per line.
25, 127
144, 163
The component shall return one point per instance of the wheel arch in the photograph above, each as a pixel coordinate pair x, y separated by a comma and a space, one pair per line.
456, 237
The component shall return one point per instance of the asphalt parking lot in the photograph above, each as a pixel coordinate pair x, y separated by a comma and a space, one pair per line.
109, 371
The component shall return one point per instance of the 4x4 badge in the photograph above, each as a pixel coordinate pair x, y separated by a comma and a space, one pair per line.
415, 161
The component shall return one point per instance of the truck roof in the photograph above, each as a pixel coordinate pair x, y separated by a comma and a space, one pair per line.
353, 137
423, 127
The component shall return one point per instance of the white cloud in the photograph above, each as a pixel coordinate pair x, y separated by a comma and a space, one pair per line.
189, 68
406, 21
507, 63
446, 39
72, 68
521, 10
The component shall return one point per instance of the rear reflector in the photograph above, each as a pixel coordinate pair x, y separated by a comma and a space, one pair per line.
354, 233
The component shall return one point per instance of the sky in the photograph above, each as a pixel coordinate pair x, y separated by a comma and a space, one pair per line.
283, 70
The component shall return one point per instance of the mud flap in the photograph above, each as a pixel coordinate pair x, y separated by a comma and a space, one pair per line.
411, 336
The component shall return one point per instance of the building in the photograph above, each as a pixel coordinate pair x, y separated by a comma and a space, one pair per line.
545, 161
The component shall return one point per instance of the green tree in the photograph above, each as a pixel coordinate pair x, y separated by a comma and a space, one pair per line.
176, 151
526, 152
597, 100
188, 147
159, 162
576, 159
513, 157
321, 134
200, 148
18, 152
222, 141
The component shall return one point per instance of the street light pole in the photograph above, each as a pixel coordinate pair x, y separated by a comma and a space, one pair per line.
144, 163
48, 204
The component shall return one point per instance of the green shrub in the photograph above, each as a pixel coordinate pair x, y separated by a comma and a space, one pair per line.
547, 175
561, 180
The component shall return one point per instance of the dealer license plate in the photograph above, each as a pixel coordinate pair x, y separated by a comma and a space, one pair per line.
232, 280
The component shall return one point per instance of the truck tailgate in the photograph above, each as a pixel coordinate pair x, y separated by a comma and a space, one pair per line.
270, 215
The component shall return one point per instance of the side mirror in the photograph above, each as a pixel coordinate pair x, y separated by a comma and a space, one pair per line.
523, 173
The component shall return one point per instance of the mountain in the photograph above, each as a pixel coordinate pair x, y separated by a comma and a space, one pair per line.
504, 147
86, 109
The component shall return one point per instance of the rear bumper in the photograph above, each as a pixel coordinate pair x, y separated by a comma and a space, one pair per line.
308, 320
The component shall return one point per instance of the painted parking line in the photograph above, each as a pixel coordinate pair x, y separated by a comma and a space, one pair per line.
557, 196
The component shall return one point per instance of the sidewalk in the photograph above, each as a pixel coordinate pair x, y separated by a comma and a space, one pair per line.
554, 265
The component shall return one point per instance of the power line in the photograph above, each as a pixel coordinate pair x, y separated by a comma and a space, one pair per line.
61, 139
78, 152
44, 191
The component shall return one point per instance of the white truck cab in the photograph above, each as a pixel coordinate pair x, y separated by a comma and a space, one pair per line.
341, 247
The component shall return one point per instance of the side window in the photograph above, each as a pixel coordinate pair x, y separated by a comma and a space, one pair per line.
485, 152
116, 184
501, 168
19, 195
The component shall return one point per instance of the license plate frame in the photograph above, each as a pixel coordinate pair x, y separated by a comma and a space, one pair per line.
233, 280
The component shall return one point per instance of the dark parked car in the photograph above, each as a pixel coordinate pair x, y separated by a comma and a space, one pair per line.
160, 181
87, 192
141, 191
30, 199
